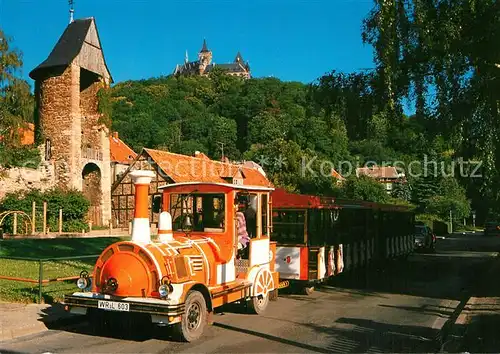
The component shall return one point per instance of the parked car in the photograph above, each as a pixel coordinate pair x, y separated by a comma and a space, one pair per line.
492, 228
424, 238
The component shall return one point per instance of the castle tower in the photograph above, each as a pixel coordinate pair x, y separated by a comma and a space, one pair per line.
204, 57
67, 117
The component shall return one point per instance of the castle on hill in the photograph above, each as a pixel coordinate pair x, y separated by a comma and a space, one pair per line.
204, 65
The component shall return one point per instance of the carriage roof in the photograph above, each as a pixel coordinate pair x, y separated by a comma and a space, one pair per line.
284, 199
222, 186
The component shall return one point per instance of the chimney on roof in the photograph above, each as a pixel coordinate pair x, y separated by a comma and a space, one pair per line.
196, 153
115, 135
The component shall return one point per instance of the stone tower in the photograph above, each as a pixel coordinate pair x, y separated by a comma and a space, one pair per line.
204, 57
68, 121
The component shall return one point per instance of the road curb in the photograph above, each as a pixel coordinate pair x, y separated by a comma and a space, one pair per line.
458, 329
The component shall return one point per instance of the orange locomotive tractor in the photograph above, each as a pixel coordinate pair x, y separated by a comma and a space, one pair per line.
197, 265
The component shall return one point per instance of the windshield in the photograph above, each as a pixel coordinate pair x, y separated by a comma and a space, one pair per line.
197, 212
420, 230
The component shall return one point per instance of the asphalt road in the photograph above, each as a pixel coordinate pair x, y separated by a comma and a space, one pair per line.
405, 307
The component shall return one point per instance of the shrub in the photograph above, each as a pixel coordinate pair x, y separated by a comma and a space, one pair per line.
73, 204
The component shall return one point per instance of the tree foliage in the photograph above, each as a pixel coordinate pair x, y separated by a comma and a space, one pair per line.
16, 108
364, 188
16, 101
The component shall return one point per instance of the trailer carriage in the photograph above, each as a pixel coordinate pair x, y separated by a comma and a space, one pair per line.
321, 237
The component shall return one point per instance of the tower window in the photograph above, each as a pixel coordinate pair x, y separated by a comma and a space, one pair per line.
48, 150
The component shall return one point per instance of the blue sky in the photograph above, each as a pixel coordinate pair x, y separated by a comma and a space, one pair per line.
292, 40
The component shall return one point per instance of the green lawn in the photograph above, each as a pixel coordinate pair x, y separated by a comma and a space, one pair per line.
64, 247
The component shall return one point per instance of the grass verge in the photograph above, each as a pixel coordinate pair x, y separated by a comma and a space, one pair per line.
49, 248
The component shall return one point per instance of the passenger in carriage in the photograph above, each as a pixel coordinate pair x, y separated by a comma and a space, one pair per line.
251, 219
241, 228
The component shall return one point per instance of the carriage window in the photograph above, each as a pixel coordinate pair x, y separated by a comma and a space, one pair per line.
288, 226
197, 212
264, 214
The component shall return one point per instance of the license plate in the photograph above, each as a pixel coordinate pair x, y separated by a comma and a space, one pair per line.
113, 306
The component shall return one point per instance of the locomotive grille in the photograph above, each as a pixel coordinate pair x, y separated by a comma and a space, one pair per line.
196, 263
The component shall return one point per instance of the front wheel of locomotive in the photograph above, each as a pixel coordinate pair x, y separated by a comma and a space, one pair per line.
194, 318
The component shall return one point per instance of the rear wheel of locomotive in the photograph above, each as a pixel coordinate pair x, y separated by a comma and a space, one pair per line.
194, 318
258, 304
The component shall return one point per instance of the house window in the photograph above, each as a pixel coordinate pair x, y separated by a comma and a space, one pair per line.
48, 150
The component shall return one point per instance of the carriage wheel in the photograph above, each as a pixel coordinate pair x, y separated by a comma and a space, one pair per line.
264, 285
308, 290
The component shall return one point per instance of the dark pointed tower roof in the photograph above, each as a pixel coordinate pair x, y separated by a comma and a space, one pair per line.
204, 49
69, 47
239, 58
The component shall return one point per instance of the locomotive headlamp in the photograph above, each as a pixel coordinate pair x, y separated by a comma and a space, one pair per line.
164, 290
84, 281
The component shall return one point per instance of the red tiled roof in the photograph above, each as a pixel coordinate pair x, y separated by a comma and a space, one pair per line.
26, 134
183, 168
378, 172
119, 151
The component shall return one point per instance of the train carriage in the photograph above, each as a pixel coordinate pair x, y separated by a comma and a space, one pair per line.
196, 265
321, 237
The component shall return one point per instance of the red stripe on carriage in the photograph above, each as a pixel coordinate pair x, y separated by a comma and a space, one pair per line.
304, 263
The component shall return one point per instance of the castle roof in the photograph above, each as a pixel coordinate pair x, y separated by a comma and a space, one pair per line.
204, 49
187, 68
232, 67
78, 33
239, 58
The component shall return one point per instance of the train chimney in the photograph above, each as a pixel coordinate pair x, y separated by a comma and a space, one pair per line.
165, 227
140, 226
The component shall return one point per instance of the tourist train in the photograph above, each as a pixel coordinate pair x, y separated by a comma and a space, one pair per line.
321, 237
221, 243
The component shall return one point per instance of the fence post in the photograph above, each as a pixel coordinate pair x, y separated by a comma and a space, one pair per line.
33, 218
14, 228
60, 221
45, 218
40, 280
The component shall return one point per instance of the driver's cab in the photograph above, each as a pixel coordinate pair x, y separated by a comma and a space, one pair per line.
235, 217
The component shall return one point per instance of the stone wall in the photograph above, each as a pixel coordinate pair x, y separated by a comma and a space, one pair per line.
57, 101
21, 179
90, 114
